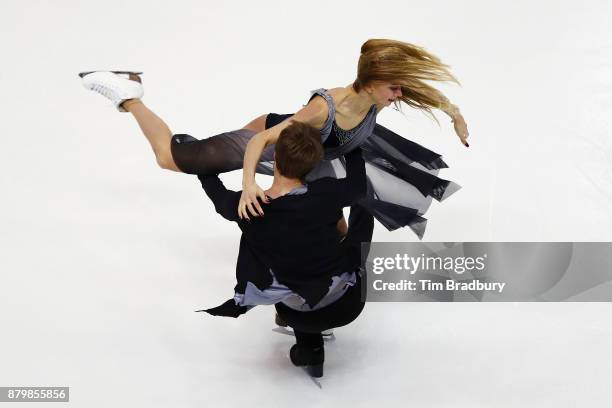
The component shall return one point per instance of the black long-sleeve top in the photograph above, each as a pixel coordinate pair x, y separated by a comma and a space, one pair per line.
297, 237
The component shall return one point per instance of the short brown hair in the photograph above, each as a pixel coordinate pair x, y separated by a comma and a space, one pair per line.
298, 150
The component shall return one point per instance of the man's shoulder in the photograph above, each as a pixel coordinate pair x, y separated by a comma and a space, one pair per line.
323, 183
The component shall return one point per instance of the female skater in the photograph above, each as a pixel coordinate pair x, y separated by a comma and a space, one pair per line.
402, 175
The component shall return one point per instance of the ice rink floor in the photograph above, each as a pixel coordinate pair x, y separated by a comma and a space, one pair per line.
104, 257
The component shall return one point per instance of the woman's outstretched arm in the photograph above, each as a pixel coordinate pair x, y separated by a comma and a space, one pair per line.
315, 114
457, 118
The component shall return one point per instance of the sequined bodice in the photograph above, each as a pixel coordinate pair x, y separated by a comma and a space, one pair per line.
339, 136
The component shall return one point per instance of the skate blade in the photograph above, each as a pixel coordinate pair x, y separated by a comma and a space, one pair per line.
315, 380
82, 74
331, 337
282, 330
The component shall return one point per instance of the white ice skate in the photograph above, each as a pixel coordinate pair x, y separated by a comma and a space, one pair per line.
328, 334
118, 86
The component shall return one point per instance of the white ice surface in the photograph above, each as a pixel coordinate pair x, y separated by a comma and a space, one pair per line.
104, 257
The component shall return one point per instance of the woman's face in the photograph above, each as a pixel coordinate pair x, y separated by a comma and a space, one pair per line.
385, 93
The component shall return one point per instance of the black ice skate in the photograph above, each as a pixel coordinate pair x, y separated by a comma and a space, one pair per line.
310, 358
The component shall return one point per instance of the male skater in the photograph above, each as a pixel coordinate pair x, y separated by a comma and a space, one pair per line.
293, 256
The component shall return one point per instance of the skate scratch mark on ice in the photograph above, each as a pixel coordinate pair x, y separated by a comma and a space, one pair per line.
596, 185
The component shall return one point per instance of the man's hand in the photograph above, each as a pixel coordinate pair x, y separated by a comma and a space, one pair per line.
249, 200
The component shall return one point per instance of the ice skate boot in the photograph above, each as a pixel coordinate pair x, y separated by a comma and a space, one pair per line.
279, 321
312, 358
117, 86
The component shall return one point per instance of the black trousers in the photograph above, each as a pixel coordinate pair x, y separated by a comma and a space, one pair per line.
308, 326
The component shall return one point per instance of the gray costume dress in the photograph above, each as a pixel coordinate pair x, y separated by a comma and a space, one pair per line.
402, 175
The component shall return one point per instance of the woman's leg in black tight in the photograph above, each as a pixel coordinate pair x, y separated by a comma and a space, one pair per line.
204, 157
220, 153
217, 154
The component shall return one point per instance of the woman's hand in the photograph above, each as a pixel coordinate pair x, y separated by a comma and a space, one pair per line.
249, 200
461, 128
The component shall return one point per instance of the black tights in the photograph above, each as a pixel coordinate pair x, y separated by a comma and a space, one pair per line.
217, 154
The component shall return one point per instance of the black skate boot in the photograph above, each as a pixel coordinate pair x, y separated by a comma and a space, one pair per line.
309, 357
279, 321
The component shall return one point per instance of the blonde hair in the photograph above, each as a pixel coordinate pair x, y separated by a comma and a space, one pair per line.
408, 66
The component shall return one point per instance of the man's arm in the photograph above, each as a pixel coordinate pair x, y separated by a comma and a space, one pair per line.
225, 201
345, 191
354, 186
